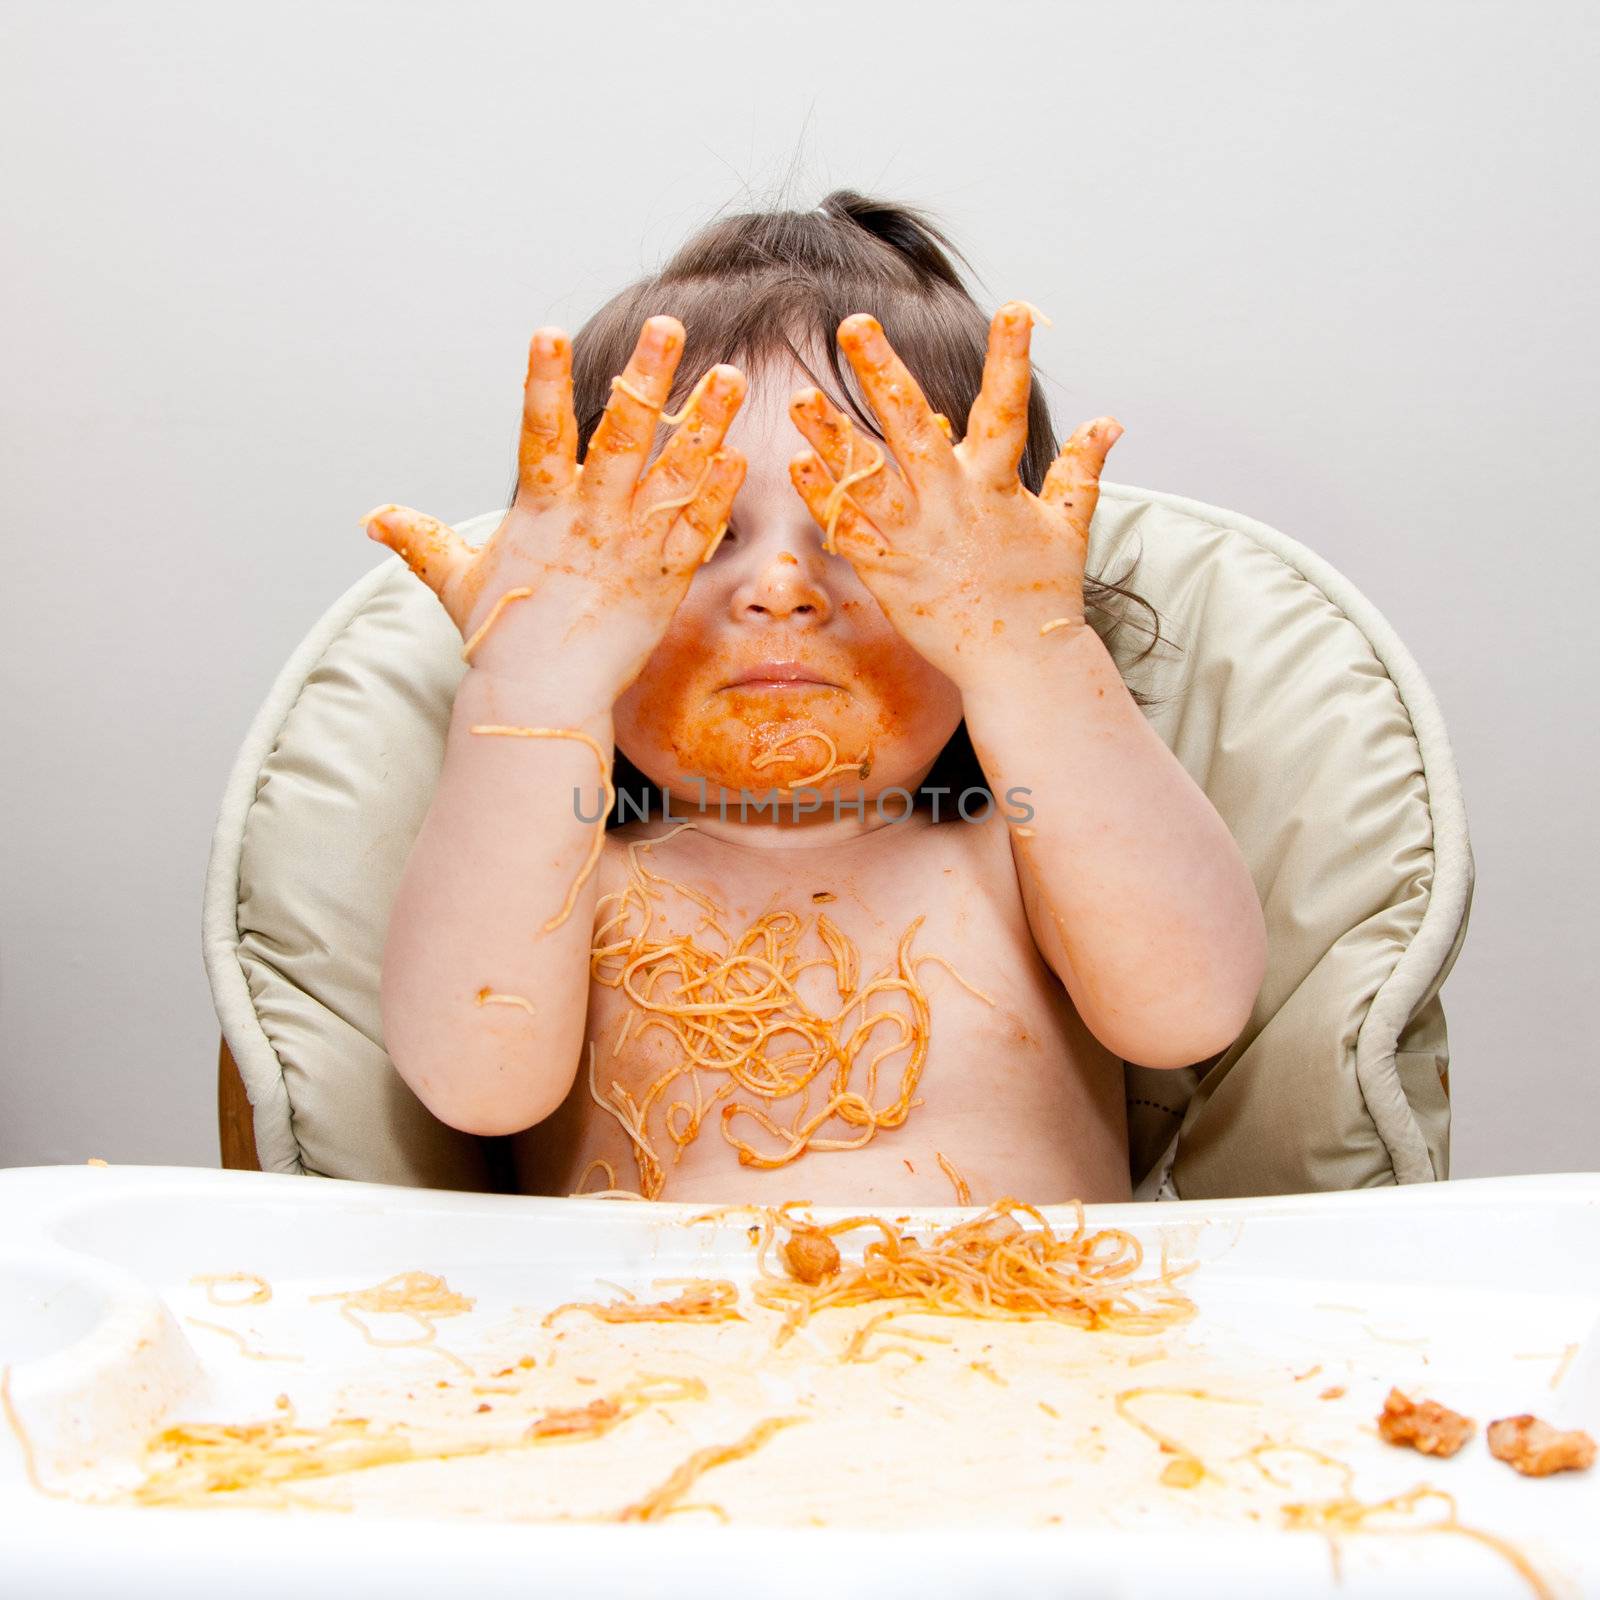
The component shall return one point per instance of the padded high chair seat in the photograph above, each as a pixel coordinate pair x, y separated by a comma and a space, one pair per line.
1291, 702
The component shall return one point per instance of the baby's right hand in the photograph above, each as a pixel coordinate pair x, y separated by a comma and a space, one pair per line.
604, 551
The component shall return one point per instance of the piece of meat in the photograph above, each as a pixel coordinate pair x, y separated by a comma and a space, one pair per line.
811, 1255
1425, 1425
1536, 1449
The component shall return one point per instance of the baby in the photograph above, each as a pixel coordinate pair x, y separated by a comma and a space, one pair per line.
906, 875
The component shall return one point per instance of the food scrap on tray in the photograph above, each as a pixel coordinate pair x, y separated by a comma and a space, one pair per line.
1535, 1449
1425, 1425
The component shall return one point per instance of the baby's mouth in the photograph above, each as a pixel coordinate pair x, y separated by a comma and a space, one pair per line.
780, 676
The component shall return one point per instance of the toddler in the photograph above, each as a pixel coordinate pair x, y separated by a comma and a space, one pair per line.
797, 836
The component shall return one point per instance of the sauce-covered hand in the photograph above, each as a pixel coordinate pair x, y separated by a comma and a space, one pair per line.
582, 577
970, 567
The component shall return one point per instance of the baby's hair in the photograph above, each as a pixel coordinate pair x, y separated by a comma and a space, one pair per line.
764, 285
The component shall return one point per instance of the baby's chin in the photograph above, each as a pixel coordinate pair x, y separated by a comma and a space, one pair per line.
764, 738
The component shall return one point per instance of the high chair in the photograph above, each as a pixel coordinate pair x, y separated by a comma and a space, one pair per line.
1290, 701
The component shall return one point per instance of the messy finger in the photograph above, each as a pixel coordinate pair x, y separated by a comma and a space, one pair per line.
845, 528
547, 453
621, 443
681, 469
910, 424
1073, 481
854, 458
432, 549
997, 427
706, 516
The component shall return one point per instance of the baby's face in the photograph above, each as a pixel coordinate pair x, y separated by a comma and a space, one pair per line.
776, 637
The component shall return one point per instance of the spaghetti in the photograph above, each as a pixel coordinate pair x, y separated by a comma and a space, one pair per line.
661, 1501
489, 621
827, 770
1186, 1469
963, 1193
682, 501
672, 419
208, 1460
240, 1340
211, 1282
1345, 1515
704, 1300
422, 1296
852, 476
487, 997
745, 1036
502, 731
30, 1465
993, 1266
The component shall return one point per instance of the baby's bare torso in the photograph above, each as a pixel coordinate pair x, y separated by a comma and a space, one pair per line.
1016, 1095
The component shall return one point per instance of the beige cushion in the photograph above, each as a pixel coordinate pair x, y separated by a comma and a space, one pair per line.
1291, 702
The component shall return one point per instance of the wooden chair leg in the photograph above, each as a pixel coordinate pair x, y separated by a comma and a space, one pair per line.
235, 1120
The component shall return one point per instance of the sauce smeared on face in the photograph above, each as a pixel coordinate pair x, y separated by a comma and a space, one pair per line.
773, 596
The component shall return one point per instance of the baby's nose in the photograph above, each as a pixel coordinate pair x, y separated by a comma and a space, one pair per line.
785, 589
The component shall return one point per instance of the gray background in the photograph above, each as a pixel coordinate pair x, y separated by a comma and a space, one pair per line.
265, 268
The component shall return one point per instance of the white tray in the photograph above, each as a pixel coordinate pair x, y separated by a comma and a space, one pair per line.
1472, 1293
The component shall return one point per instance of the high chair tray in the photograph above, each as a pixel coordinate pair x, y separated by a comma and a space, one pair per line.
485, 1447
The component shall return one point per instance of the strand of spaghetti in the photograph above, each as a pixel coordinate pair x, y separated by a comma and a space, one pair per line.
421, 1296
30, 1465
645, 1158
502, 731
239, 1339
749, 1156
487, 997
846, 959
971, 988
621, 385
852, 476
858, 1339
716, 539
1059, 622
1186, 1469
682, 501
704, 1300
672, 419
774, 754
963, 1193
489, 621
1347, 1515
660, 1500
424, 1340
260, 1289
605, 1166
1036, 313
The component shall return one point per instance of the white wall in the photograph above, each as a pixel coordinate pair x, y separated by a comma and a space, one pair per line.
266, 267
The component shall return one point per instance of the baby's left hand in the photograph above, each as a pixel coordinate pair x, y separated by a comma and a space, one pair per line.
971, 568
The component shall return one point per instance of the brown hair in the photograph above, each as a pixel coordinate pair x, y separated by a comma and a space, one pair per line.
768, 284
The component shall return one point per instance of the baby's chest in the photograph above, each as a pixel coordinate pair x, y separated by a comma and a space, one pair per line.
840, 978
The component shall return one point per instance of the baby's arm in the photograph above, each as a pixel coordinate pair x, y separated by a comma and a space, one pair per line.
1136, 892
486, 968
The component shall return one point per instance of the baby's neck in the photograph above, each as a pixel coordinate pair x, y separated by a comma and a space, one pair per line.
822, 831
